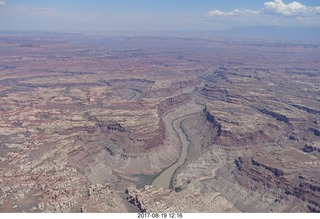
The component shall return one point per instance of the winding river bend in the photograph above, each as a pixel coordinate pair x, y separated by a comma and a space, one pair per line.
163, 180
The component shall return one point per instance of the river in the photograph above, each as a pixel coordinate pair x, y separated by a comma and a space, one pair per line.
163, 180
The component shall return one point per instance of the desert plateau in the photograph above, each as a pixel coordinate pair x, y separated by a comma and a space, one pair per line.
153, 123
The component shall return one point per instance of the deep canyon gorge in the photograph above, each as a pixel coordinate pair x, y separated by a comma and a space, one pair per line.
102, 123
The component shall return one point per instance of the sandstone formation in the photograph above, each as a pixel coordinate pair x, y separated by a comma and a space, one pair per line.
87, 125
151, 199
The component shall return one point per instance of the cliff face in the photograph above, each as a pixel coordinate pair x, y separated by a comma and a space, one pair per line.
116, 147
261, 150
292, 184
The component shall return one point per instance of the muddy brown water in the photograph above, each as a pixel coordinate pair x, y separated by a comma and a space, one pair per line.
163, 180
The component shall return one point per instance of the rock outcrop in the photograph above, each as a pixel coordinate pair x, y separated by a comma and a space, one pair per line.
189, 200
292, 184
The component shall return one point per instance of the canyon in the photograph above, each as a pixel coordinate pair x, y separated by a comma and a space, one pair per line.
136, 123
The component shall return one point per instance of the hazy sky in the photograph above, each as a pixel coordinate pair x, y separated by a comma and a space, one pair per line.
154, 15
